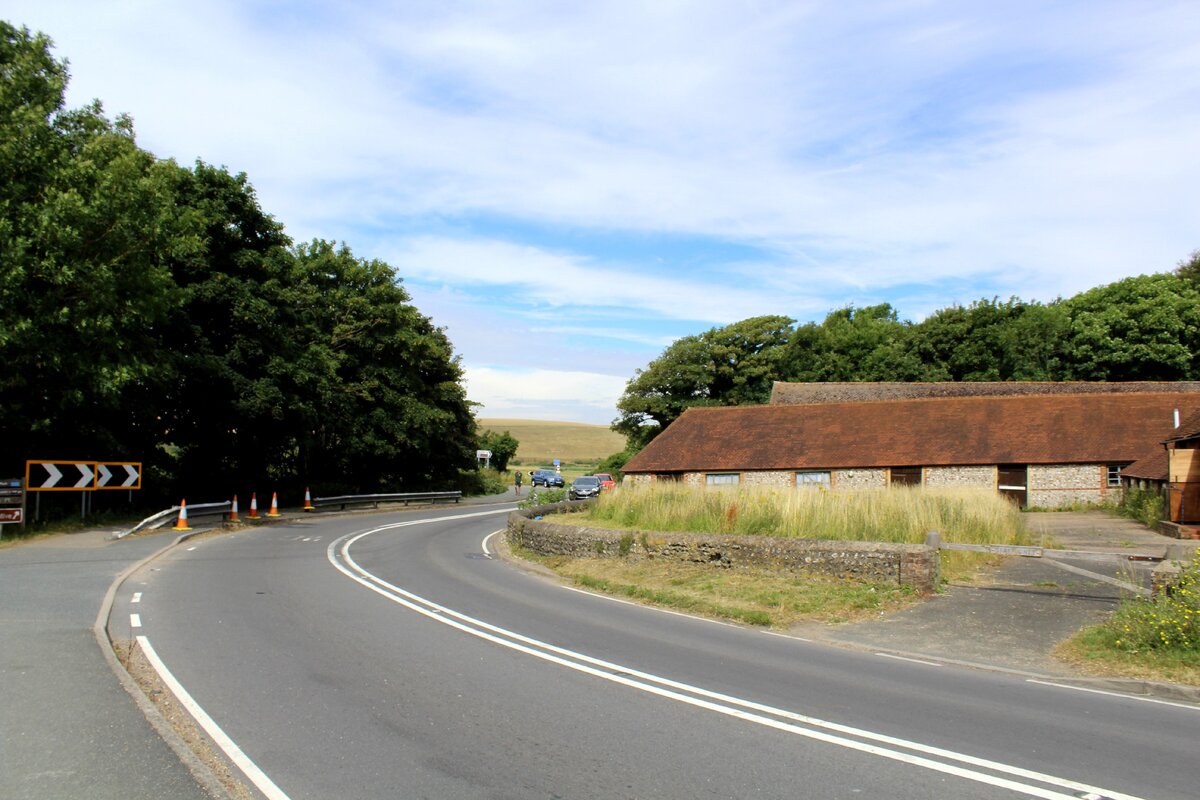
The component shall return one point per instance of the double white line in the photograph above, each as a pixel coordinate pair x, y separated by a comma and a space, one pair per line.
1027, 782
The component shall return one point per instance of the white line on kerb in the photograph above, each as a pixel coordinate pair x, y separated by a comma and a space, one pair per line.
230, 748
911, 660
338, 552
135, 620
1188, 706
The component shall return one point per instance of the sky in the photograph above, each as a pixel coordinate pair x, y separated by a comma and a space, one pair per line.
567, 188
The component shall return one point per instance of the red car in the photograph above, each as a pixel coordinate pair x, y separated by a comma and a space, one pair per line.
606, 480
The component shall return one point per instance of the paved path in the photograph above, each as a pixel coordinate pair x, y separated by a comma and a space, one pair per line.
67, 727
1012, 617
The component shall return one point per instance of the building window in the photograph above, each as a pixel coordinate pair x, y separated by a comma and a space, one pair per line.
812, 480
906, 476
721, 479
1114, 474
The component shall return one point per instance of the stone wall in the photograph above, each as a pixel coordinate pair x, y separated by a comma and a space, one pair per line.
1056, 486
860, 479
548, 530
984, 477
774, 478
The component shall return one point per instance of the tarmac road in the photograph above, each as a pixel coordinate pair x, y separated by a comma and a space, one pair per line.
67, 729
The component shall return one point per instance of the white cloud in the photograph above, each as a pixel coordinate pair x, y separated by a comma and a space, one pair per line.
569, 396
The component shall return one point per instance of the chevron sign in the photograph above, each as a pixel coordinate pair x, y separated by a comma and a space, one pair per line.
60, 476
82, 476
119, 475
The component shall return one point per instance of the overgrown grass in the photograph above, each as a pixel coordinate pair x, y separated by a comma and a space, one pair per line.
1156, 638
747, 596
899, 515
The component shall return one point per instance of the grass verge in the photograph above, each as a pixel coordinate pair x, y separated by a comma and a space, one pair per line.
746, 596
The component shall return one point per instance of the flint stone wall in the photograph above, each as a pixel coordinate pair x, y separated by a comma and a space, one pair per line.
548, 530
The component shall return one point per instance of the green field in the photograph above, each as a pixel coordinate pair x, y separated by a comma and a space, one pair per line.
572, 443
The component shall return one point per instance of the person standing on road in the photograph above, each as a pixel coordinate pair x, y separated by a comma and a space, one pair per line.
517, 482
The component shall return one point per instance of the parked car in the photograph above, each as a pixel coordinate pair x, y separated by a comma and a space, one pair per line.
583, 487
606, 480
545, 477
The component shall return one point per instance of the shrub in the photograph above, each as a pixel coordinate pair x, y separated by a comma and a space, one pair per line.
480, 482
542, 497
1145, 505
1168, 621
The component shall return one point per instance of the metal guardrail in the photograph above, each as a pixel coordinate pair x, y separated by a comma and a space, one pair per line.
406, 498
172, 513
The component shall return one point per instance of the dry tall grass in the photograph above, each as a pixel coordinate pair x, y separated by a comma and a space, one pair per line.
901, 514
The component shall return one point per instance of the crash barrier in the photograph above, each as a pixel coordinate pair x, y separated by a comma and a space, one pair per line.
375, 499
548, 530
176, 512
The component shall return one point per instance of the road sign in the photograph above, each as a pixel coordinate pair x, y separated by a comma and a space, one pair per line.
119, 475
11, 515
60, 476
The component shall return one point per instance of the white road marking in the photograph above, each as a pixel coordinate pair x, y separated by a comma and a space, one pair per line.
699, 697
912, 660
190, 549
135, 620
227, 745
137, 597
1189, 706
786, 636
486, 550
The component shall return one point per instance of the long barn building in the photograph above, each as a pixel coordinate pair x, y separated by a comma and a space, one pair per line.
1064, 445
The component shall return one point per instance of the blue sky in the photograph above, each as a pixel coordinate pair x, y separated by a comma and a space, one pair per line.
569, 187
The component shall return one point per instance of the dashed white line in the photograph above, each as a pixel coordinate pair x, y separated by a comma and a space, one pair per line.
137, 597
135, 620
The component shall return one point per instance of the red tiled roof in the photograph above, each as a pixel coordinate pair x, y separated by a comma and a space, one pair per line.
789, 393
1152, 466
1038, 429
1189, 428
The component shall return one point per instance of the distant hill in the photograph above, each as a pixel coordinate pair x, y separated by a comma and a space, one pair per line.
570, 442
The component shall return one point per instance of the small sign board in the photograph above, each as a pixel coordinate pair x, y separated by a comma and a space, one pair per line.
11, 515
483, 453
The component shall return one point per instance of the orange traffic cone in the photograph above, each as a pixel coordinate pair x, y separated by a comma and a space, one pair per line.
274, 512
233, 517
308, 506
182, 525
253, 506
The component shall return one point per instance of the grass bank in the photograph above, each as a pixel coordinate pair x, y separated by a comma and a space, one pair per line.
760, 597
898, 515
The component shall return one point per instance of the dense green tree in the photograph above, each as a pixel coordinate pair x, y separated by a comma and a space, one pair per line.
503, 446
1142, 328
852, 344
87, 223
731, 365
991, 340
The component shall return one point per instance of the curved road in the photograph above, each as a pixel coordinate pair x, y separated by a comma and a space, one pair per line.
392, 656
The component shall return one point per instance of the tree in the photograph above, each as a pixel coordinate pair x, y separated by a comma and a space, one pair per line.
731, 365
852, 344
503, 446
87, 221
1145, 328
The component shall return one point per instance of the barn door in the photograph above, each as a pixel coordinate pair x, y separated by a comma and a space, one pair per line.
1014, 483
